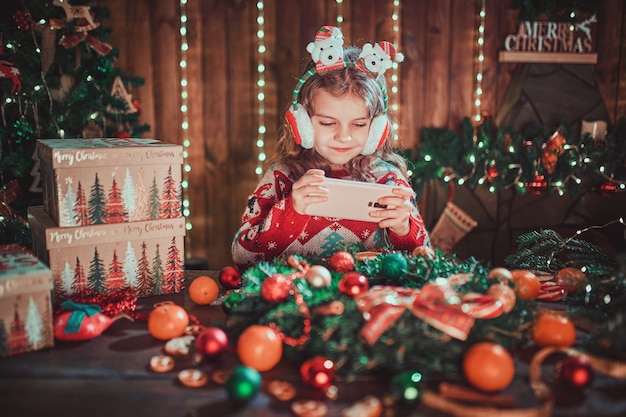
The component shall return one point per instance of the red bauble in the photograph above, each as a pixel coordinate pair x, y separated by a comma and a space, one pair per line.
212, 341
229, 278
276, 289
318, 372
575, 371
538, 185
342, 262
123, 135
353, 283
492, 173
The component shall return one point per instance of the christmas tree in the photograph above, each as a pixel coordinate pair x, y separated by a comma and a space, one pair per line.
58, 79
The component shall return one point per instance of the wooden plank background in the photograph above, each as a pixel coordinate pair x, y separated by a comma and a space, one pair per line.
436, 79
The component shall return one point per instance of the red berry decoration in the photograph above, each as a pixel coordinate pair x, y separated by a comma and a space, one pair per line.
212, 341
229, 278
318, 372
342, 261
575, 371
276, 289
353, 283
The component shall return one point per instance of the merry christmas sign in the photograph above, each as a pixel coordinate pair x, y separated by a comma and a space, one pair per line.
548, 41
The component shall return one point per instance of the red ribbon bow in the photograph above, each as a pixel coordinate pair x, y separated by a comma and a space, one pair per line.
437, 304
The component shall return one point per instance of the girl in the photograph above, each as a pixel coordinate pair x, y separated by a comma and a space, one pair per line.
336, 127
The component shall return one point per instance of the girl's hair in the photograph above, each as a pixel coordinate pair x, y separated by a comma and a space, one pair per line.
349, 80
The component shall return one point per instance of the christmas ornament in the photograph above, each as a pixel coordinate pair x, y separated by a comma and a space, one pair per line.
122, 135
259, 347
212, 341
119, 91
451, 227
80, 322
488, 366
553, 329
492, 173
538, 185
167, 321
527, 284
608, 188
229, 278
503, 293
342, 262
193, 378
573, 279
244, 383
276, 288
394, 265
575, 371
318, 372
203, 290
406, 387
23, 20
318, 276
552, 150
353, 283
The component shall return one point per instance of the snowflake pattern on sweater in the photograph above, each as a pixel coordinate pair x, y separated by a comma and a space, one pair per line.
271, 227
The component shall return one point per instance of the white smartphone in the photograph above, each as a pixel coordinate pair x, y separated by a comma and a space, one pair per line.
352, 200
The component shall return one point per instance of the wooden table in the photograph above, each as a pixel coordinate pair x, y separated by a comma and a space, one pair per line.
109, 376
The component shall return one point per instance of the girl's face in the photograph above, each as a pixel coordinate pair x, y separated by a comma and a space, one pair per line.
340, 126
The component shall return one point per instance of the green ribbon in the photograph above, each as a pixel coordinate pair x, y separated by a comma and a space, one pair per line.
79, 311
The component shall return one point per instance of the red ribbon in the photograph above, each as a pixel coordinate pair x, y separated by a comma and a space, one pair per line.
437, 304
71, 40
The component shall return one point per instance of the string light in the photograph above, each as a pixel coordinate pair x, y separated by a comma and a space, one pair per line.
184, 111
395, 77
261, 50
339, 12
480, 58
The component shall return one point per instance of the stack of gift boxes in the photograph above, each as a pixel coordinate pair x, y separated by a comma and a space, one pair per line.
112, 217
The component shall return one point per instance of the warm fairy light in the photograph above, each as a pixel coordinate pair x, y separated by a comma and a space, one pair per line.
184, 111
339, 13
394, 98
480, 58
261, 49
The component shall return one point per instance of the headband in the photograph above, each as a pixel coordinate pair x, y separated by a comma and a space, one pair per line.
327, 53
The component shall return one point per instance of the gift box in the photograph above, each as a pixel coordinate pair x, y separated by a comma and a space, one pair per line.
96, 181
25, 304
146, 256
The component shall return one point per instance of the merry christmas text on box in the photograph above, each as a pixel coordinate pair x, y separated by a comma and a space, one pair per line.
97, 181
147, 256
25, 304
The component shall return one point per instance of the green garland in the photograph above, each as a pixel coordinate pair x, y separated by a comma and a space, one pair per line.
508, 158
410, 343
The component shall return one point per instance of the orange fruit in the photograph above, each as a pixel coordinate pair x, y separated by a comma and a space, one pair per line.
203, 290
573, 279
167, 321
488, 366
527, 284
553, 329
259, 347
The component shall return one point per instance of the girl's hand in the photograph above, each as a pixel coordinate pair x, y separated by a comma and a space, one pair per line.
396, 215
308, 190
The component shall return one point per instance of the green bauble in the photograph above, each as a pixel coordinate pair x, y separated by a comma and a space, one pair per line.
243, 383
394, 265
406, 387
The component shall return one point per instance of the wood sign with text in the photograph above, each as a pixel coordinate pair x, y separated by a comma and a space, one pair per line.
551, 42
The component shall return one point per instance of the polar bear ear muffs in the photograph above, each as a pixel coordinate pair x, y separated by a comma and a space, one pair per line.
301, 126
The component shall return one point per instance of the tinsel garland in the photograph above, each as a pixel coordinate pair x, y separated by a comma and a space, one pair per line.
410, 342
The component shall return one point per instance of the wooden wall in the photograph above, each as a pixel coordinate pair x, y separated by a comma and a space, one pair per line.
438, 41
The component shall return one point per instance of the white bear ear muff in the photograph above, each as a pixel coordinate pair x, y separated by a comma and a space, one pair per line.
301, 125
379, 129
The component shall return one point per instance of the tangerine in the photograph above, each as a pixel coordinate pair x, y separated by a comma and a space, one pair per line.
553, 329
260, 347
527, 284
167, 321
203, 290
488, 366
